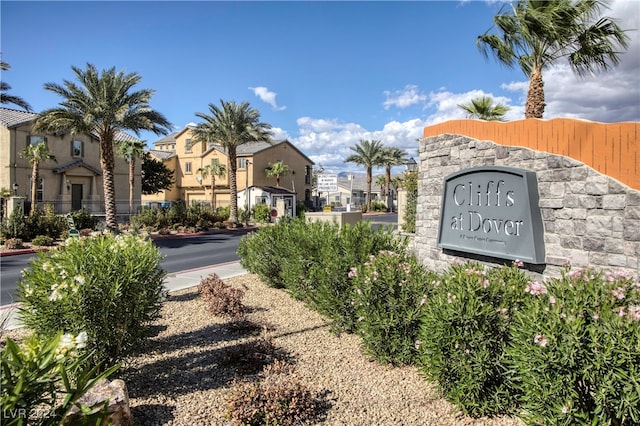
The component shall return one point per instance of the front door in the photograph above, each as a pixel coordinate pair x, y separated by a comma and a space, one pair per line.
76, 196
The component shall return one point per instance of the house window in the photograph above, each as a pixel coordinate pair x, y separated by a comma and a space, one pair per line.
187, 146
36, 139
187, 167
242, 163
307, 175
40, 191
214, 161
77, 149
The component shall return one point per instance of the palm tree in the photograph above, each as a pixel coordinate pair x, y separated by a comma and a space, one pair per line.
368, 154
277, 170
536, 34
484, 109
213, 170
102, 104
130, 150
392, 156
35, 154
10, 99
230, 126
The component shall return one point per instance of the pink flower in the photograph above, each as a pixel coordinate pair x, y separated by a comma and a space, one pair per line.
518, 263
619, 292
634, 312
353, 272
536, 288
540, 340
552, 300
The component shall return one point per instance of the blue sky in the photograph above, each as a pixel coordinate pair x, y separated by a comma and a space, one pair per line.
323, 74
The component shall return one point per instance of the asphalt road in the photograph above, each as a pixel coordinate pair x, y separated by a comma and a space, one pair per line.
179, 254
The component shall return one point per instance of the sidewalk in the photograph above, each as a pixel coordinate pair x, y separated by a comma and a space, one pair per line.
173, 281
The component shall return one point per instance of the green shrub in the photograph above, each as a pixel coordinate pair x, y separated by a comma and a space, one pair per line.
261, 213
576, 350
390, 293
109, 286
13, 226
224, 213
83, 219
378, 206
465, 330
42, 240
312, 261
42, 380
43, 223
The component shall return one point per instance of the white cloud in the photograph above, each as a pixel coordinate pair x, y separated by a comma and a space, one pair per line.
608, 97
267, 97
404, 98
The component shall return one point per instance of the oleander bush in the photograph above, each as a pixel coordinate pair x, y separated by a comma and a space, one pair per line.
575, 349
109, 286
221, 299
464, 334
391, 291
312, 261
42, 380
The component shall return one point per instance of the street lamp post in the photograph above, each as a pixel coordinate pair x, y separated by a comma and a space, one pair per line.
412, 166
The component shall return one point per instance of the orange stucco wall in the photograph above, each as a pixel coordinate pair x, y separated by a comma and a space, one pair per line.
610, 148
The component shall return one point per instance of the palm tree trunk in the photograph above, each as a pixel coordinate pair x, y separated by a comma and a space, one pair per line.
534, 107
35, 176
213, 188
387, 179
233, 187
368, 189
132, 167
107, 164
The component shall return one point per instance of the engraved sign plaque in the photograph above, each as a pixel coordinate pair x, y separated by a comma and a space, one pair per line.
493, 211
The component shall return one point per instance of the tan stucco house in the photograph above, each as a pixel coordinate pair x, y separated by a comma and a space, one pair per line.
180, 154
74, 180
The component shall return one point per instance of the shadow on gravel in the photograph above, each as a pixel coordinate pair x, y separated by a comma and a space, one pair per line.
152, 414
185, 297
188, 367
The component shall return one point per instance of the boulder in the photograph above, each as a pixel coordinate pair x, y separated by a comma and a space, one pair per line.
119, 412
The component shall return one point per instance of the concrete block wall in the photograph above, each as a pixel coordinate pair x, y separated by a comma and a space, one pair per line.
590, 219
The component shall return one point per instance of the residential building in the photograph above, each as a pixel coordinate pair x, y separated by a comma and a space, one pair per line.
74, 180
179, 153
352, 190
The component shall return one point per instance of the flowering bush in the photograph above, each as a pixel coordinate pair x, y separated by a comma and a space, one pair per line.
43, 380
465, 330
312, 261
109, 286
390, 291
576, 349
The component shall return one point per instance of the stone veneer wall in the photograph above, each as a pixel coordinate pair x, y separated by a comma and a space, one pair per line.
589, 218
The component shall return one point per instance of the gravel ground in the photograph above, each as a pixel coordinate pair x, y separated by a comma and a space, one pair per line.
186, 371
